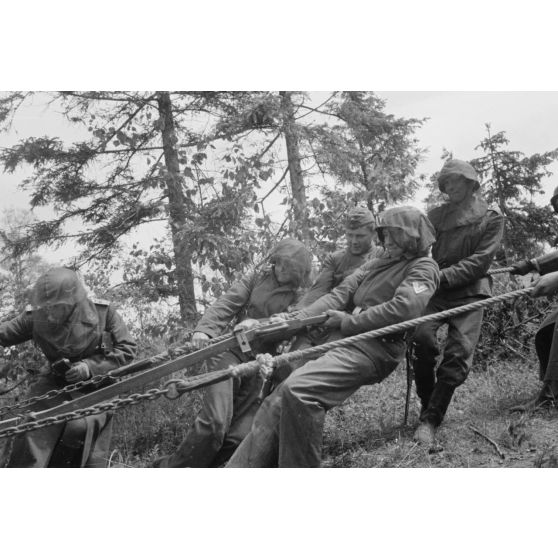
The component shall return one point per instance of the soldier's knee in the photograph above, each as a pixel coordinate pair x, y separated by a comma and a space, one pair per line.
461, 354
457, 378
290, 390
453, 373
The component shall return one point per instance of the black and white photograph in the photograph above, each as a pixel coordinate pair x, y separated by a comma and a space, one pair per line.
278, 279
306, 262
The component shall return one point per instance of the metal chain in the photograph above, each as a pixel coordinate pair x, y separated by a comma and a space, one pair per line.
156, 359
50, 394
95, 380
182, 386
168, 390
177, 387
113, 405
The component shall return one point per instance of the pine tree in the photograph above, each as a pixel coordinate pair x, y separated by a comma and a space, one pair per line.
510, 181
142, 162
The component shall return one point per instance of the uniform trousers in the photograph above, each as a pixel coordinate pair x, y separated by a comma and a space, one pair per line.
226, 416
288, 427
81, 442
435, 387
546, 344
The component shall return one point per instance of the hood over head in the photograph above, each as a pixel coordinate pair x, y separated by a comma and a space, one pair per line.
416, 226
297, 256
64, 319
461, 168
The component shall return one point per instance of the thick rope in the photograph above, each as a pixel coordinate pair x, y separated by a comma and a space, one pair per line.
500, 270
176, 387
149, 362
250, 367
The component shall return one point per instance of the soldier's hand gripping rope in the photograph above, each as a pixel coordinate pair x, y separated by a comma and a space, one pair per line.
84, 407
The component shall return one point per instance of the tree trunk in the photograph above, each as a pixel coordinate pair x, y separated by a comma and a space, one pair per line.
177, 214
299, 227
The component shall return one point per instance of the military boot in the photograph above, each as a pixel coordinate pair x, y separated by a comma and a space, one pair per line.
425, 434
437, 404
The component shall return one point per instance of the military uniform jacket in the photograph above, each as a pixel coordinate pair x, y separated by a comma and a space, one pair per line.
256, 295
466, 242
336, 267
383, 292
115, 346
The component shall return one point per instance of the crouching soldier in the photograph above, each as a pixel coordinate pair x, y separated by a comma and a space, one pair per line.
468, 234
288, 429
229, 406
81, 339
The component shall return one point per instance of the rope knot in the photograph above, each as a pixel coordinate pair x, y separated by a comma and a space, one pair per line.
265, 362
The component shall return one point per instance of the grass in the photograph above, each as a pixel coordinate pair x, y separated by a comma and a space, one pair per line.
367, 431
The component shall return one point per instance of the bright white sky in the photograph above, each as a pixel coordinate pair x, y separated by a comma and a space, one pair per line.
457, 119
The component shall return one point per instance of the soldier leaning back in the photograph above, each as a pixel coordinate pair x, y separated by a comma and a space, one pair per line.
288, 428
229, 406
359, 235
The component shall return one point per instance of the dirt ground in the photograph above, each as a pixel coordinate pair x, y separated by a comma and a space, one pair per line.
479, 430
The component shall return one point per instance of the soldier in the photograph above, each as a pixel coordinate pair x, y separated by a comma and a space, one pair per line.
546, 339
468, 234
229, 406
359, 234
288, 428
92, 338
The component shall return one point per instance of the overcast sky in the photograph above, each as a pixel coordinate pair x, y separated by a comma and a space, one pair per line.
456, 122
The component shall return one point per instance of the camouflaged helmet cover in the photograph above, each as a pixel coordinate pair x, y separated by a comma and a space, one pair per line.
418, 231
460, 168
65, 321
296, 256
360, 217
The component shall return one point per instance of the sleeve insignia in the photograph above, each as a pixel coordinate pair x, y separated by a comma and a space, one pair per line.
419, 287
